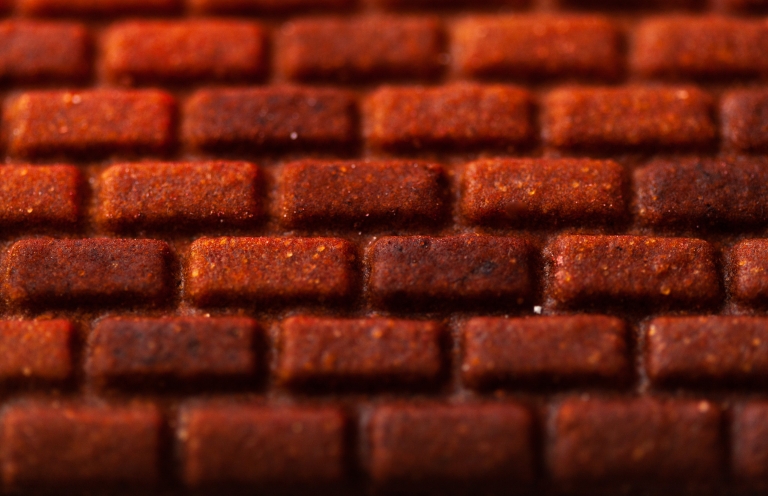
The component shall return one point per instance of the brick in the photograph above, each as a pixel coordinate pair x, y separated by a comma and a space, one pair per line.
184, 51
360, 48
428, 443
554, 350
749, 441
36, 350
374, 351
277, 270
707, 350
623, 440
599, 270
536, 46
182, 348
242, 444
690, 47
54, 122
744, 118
65, 445
536, 191
628, 5
700, 193
358, 194
424, 270
460, 115
38, 51
96, 8
195, 195
266, 6
741, 5
276, 117
422, 4
35, 196
629, 117
91, 271
747, 269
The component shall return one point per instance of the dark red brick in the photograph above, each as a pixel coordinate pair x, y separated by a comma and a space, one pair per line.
578, 349
61, 445
432, 442
744, 117
460, 115
525, 46
747, 269
35, 349
749, 441
543, 191
372, 351
599, 270
34, 196
277, 270
184, 51
360, 193
240, 444
96, 8
634, 440
458, 269
266, 6
90, 271
153, 195
39, 51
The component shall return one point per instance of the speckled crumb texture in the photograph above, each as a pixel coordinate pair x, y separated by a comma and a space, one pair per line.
384, 247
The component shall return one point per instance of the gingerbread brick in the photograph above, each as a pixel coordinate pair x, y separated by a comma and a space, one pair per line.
749, 441
360, 48
195, 195
599, 270
277, 270
629, 117
374, 351
354, 194
57, 445
552, 350
36, 349
700, 193
90, 271
92, 121
543, 191
689, 47
183, 51
433, 442
747, 269
460, 115
536, 46
472, 269
38, 51
266, 6
707, 350
275, 117
242, 444
744, 118
96, 8
641, 440
35, 196
181, 348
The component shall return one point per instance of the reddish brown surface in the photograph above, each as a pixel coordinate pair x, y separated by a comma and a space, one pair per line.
263, 118
362, 351
537, 46
344, 49
529, 351
36, 349
96, 7
39, 196
411, 4
179, 348
251, 270
748, 268
57, 445
749, 445
641, 440
741, 5
588, 270
361, 194
169, 195
460, 269
744, 116
90, 271
456, 116
535, 191
257, 445
264, 6
631, 117
432, 442
173, 51
77, 122
34, 51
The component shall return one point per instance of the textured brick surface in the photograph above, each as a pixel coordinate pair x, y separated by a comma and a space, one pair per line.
744, 117
39, 196
748, 268
749, 445
36, 349
34, 51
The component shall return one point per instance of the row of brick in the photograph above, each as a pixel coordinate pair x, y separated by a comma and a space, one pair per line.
586, 442
379, 48
422, 271
394, 119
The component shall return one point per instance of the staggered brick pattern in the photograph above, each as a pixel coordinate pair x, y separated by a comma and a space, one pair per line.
374, 246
